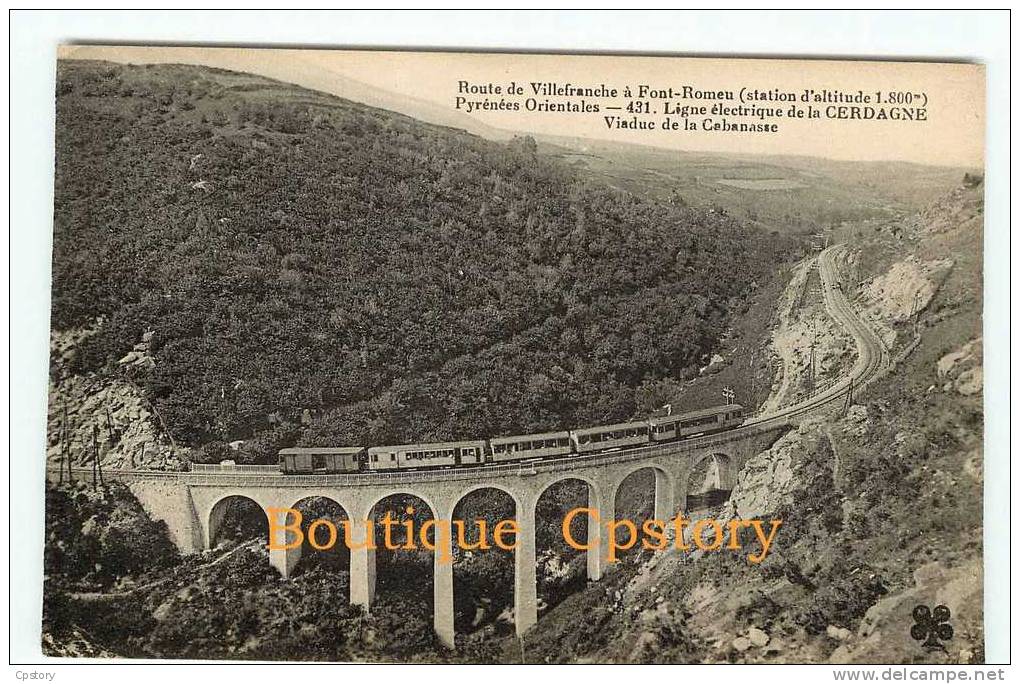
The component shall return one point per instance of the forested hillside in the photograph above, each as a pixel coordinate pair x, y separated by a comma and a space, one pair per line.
306, 269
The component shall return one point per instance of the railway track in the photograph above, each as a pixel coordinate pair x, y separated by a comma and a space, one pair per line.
872, 356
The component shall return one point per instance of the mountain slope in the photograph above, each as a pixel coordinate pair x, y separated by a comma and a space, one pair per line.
305, 268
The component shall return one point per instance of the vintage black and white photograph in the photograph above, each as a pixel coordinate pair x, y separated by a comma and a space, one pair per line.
437, 357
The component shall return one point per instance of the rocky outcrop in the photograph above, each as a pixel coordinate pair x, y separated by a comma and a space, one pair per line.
89, 411
768, 479
961, 370
904, 290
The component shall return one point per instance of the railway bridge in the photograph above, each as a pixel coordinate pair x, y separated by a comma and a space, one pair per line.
193, 504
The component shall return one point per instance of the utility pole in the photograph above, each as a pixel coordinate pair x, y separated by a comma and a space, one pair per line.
915, 311
109, 427
849, 397
63, 449
728, 394
811, 375
811, 359
95, 454
97, 467
66, 449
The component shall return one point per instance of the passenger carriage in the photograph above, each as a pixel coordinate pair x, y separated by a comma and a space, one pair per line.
588, 440
435, 455
523, 447
324, 460
710, 419
664, 428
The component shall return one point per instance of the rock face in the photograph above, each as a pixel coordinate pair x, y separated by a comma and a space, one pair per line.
901, 293
907, 287
768, 479
86, 411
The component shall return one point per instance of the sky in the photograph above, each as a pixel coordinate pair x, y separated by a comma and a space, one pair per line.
426, 84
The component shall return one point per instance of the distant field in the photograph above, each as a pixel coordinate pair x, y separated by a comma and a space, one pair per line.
763, 184
829, 192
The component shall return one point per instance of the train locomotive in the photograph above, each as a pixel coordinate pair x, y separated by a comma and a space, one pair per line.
513, 449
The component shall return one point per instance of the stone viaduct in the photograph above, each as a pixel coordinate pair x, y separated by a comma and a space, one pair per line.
193, 503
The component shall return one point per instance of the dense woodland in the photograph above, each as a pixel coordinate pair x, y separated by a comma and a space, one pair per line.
315, 271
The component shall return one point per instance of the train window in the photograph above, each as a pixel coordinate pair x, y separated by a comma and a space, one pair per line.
318, 462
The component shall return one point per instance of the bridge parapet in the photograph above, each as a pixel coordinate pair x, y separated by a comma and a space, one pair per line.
269, 476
